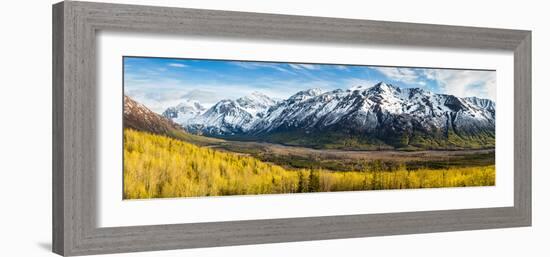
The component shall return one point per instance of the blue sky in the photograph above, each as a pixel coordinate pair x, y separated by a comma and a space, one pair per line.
162, 82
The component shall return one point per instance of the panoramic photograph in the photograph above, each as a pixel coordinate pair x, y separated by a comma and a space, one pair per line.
199, 128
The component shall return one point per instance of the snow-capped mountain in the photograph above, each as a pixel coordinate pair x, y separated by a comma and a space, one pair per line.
183, 112
231, 117
305, 95
366, 110
379, 115
255, 103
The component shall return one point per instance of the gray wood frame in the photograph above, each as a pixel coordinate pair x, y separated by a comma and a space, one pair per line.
74, 126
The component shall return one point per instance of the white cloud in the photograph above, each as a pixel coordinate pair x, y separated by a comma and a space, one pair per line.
177, 65
258, 65
406, 75
160, 94
304, 66
356, 83
341, 67
464, 82
460, 83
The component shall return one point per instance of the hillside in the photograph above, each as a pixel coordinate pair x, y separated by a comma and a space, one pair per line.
157, 166
138, 117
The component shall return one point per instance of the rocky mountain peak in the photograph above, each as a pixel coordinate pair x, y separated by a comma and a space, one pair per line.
383, 111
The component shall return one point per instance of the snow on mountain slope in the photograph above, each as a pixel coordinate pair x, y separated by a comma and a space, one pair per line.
255, 103
305, 95
183, 112
383, 111
230, 117
297, 109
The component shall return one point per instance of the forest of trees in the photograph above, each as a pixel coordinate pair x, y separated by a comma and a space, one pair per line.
156, 166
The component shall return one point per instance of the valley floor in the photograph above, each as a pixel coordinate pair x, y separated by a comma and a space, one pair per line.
345, 160
156, 166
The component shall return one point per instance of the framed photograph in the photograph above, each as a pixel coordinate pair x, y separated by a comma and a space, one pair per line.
182, 128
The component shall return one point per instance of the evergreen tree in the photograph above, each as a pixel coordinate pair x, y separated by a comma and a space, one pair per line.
301, 182
313, 181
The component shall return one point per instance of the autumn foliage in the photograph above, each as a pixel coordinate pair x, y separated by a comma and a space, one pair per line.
156, 166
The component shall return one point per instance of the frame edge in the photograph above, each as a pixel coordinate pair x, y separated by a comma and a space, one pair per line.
523, 130
72, 231
58, 207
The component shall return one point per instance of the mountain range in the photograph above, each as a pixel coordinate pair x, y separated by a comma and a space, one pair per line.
379, 117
